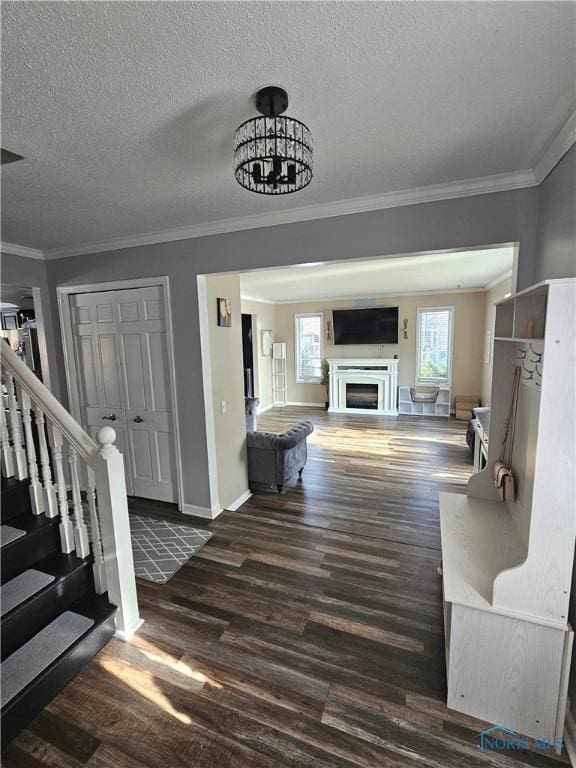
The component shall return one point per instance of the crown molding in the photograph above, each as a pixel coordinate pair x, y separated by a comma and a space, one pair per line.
363, 296
258, 301
501, 182
556, 148
21, 250
498, 280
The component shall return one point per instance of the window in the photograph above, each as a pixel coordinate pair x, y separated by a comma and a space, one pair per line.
434, 345
308, 331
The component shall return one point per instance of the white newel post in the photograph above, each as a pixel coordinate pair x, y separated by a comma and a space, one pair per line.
115, 531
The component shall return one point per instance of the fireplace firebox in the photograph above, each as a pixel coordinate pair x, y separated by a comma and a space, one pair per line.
362, 396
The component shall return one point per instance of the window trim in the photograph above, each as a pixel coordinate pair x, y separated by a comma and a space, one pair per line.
297, 317
435, 382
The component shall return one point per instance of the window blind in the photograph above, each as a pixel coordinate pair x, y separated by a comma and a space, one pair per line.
309, 347
435, 345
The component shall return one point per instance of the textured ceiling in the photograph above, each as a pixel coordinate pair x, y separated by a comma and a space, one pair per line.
125, 111
379, 277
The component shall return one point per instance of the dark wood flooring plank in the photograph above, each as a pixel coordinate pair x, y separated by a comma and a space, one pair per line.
307, 633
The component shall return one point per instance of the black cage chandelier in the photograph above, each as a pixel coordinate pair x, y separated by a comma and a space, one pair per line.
273, 154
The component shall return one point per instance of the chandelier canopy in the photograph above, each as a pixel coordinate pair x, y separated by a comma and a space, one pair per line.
273, 153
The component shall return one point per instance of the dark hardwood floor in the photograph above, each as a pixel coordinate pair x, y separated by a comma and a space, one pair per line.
307, 633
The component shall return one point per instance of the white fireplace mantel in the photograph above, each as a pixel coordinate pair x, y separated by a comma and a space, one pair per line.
377, 374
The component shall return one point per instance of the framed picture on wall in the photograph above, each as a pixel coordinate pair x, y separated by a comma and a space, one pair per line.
267, 337
224, 313
9, 321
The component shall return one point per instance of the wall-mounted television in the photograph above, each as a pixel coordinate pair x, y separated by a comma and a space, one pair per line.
375, 325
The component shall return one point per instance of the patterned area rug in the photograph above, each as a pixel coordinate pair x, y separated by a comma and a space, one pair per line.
160, 548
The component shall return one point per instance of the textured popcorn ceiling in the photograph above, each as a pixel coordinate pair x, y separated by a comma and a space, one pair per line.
125, 112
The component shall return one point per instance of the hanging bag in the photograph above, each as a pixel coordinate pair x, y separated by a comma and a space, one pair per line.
503, 476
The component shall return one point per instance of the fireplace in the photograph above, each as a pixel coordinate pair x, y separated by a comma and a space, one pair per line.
362, 396
364, 385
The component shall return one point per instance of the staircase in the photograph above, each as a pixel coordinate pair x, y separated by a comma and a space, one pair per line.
67, 577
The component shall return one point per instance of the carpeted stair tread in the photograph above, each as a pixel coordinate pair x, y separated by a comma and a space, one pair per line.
8, 534
22, 587
29, 661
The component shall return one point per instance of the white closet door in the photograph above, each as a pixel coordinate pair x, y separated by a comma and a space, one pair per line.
127, 352
98, 366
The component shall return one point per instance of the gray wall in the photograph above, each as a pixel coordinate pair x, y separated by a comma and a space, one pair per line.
556, 239
461, 223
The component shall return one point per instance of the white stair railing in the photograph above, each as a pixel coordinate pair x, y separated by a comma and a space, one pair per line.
27, 403
16, 430
7, 457
36, 495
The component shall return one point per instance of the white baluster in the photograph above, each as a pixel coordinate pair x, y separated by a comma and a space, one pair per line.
95, 536
7, 455
80, 530
51, 504
66, 527
36, 494
115, 529
16, 431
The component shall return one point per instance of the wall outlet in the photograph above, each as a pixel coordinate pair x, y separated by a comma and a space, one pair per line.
222, 406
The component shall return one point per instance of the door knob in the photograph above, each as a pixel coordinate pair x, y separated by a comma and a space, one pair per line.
111, 417
138, 419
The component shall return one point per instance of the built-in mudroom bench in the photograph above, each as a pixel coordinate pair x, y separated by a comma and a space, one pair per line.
507, 566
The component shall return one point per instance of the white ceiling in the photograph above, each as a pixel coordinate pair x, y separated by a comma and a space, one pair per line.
16, 295
380, 277
125, 111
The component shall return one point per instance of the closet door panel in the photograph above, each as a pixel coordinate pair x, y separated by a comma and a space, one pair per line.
134, 372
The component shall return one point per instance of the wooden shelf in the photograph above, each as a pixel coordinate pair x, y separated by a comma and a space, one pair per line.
479, 540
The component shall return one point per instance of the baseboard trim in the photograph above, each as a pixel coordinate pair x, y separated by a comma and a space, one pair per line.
308, 405
570, 737
239, 501
205, 512
263, 410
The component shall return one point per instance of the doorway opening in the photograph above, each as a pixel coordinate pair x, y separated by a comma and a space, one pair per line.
248, 355
22, 326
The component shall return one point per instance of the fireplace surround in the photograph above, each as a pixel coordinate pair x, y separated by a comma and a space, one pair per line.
364, 386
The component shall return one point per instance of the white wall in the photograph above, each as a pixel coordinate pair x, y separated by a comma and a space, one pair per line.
495, 294
468, 340
227, 373
263, 319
